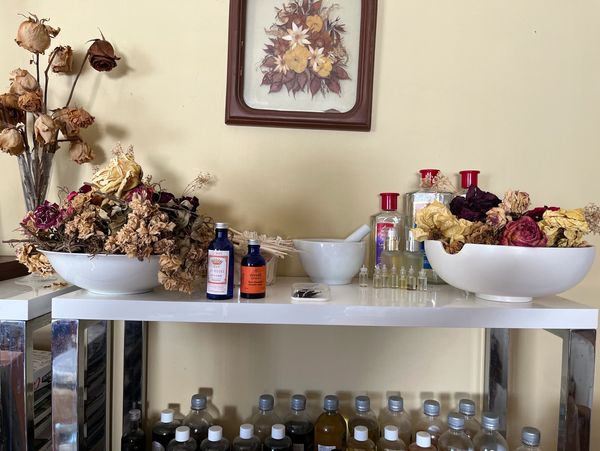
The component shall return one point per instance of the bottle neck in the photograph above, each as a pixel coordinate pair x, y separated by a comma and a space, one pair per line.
254, 249
134, 425
221, 233
331, 412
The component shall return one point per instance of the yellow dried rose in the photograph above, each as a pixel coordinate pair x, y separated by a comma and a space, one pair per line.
81, 152
297, 58
62, 59
314, 23
120, 175
45, 129
22, 82
565, 228
436, 217
11, 141
34, 35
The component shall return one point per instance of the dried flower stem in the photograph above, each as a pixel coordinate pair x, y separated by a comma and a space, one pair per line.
37, 67
46, 81
87, 54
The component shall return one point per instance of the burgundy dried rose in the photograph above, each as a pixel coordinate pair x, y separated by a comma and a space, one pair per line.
102, 56
47, 216
537, 214
474, 206
523, 232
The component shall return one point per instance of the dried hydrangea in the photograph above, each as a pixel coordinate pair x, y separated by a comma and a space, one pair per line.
515, 202
35, 261
85, 224
592, 217
565, 228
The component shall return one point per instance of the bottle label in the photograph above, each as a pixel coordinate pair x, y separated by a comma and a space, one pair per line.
253, 280
218, 272
382, 228
298, 447
325, 448
157, 447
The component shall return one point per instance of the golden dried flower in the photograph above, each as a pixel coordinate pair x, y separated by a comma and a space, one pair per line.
481, 233
35, 262
81, 152
45, 129
34, 35
62, 59
11, 141
102, 56
30, 102
565, 228
120, 175
314, 23
22, 82
496, 218
516, 202
437, 217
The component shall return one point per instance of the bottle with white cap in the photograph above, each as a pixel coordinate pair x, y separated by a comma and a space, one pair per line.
278, 441
330, 428
182, 440
164, 430
397, 416
134, 439
265, 418
530, 439
422, 442
215, 440
246, 441
298, 425
468, 409
219, 273
360, 440
198, 420
364, 416
431, 421
489, 439
390, 440
455, 439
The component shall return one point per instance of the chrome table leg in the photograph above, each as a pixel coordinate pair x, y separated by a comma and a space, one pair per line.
497, 350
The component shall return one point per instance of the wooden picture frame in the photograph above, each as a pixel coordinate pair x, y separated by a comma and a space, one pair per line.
314, 82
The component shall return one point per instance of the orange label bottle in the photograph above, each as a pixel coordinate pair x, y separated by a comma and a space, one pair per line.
253, 277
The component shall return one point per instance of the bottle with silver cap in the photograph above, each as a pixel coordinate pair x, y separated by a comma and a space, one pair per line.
360, 440
397, 416
422, 442
215, 440
164, 430
364, 416
219, 274
134, 439
278, 441
265, 418
431, 421
198, 420
468, 409
330, 428
253, 273
488, 438
182, 440
455, 439
246, 441
298, 425
390, 440
530, 439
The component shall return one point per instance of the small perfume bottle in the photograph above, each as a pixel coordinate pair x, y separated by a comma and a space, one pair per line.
385, 276
411, 280
363, 277
422, 281
403, 281
377, 280
394, 282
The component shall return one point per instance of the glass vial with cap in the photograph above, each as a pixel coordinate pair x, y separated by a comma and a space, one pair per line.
467, 408
164, 430
278, 441
385, 276
390, 441
377, 279
134, 439
488, 438
219, 275
422, 281
396, 415
198, 420
253, 273
411, 279
530, 439
363, 277
360, 440
455, 439
215, 440
422, 442
298, 425
402, 279
246, 441
364, 416
265, 418
392, 255
182, 440
431, 421
330, 428
394, 280
387, 218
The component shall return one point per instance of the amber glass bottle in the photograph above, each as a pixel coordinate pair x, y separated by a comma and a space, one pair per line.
330, 428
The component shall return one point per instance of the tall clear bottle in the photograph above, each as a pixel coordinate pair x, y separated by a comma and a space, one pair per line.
182, 440
360, 441
198, 420
215, 440
397, 416
278, 441
364, 416
431, 421
392, 256
219, 274
134, 439
246, 441
265, 418
164, 430
330, 428
530, 439
422, 442
455, 439
488, 438
468, 409
298, 425
387, 218
390, 441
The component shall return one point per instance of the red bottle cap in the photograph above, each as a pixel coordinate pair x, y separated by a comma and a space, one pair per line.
431, 172
389, 201
468, 178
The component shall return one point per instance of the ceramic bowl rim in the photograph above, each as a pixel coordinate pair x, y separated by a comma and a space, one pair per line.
96, 255
512, 248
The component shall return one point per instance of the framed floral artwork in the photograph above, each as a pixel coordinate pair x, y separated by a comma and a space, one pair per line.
301, 63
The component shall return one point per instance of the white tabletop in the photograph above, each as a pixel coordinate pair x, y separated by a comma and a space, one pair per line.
440, 306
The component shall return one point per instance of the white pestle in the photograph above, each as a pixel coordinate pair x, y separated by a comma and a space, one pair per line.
359, 233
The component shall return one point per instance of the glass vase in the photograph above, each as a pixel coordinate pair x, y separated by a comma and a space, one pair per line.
35, 165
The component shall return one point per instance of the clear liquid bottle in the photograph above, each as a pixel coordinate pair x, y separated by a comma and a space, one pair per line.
394, 279
387, 218
431, 421
411, 279
246, 441
215, 440
468, 409
396, 415
530, 439
402, 279
198, 420
134, 439
377, 279
253, 273
298, 425
164, 430
278, 441
390, 441
392, 255
422, 442
488, 438
265, 418
422, 281
360, 440
219, 276
468, 178
364, 416
385, 276
330, 428
182, 440
363, 277
455, 439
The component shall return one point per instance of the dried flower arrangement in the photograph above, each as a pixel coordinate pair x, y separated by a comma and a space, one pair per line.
482, 218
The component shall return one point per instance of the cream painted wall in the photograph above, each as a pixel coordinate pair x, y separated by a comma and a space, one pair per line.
505, 86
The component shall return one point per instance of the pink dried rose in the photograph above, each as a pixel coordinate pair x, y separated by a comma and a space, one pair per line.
45, 129
11, 141
22, 82
79, 117
81, 152
34, 35
102, 56
62, 59
523, 232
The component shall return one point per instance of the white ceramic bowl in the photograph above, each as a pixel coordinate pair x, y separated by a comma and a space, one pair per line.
106, 274
334, 262
511, 273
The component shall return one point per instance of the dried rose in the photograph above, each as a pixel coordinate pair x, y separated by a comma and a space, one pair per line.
144, 191
565, 228
9, 101
436, 218
11, 141
102, 56
62, 59
538, 213
30, 102
523, 232
47, 216
34, 35
515, 202
496, 218
67, 128
45, 129
474, 206
81, 152
120, 175
22, 82
78, 117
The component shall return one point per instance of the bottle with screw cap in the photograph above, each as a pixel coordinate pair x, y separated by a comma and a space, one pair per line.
431, 421
330, 428
182, 440
265, 418
360, 440
215, 440
396, 415
530, 439
390, 440
164, 430
392, 255
422, 442
253, 273
364, 416
246, 441
455, 439
468, 409
298, 425
278, 441
219, 275
387, 218
488, 438
363, 277
134, 439
198, 420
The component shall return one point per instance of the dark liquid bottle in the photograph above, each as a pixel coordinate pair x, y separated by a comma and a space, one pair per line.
134, 440
246, 441
330, 428
298, 426
278, 441
164, 431
219, 277
253, 276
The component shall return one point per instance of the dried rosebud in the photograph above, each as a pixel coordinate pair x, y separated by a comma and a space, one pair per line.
523, 232
78, 117
45, 129
11, 141
30, 101
62, 59
102, 56
80, 152
22, 82
515, 202
34, 35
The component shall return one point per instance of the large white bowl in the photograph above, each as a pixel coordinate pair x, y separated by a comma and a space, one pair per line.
334, 262
106, 274
511, 273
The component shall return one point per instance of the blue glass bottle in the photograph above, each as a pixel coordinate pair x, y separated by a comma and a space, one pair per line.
253, 277
219, 277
